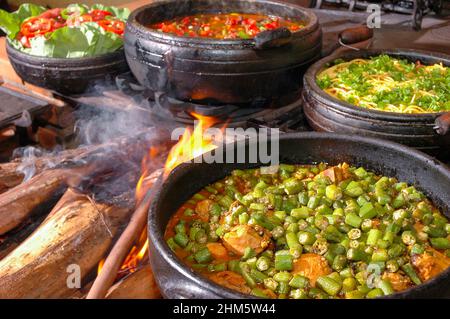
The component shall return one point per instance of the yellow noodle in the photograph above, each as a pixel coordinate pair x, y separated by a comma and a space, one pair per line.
379, 82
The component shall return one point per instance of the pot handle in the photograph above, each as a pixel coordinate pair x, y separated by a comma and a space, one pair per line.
442, 124
355, 35
272, 38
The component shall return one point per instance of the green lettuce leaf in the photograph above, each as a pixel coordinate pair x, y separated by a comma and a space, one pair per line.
10, 22
121, 13
75, 8
89, 39
27, 10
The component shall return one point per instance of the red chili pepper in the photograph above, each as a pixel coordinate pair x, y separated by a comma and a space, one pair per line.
115, 26
35, 26
51, 14
58, 24
98, 15
271, 26
234, 21
186, 20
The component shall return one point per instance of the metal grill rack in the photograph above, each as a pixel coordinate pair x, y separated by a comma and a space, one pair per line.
416, 8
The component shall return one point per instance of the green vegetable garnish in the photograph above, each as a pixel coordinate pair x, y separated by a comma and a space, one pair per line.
389, 84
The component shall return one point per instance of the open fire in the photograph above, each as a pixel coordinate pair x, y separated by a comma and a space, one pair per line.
192, 143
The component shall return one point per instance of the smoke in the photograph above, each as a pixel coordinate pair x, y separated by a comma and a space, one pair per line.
94, 127
28, 157
121, 128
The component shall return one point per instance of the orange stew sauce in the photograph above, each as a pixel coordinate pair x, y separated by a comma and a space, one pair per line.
225, 25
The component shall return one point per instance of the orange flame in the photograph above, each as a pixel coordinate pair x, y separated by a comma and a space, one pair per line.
142, 187
137, 253
143, 250
100, 265
191, 145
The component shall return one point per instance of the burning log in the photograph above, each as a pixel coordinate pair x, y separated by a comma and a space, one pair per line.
74, 237
18, 203
138, 285
11, 174
112, 264
186, 149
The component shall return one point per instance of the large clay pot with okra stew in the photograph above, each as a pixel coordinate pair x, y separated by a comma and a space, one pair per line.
177, 280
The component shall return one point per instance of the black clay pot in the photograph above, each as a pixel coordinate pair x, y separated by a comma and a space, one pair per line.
221, 71
326, 113
67, 76
387, 158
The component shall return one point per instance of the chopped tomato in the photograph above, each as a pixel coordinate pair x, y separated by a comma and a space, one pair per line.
58, 25
430, 264
115, 26
232, 21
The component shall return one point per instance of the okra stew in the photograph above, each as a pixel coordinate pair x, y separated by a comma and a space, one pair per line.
314, 231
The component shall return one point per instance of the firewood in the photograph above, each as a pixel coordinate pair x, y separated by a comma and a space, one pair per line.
14, 238
138, 221
10, 171
33, 196
11, 176
18, 203
138, 285
74, 237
